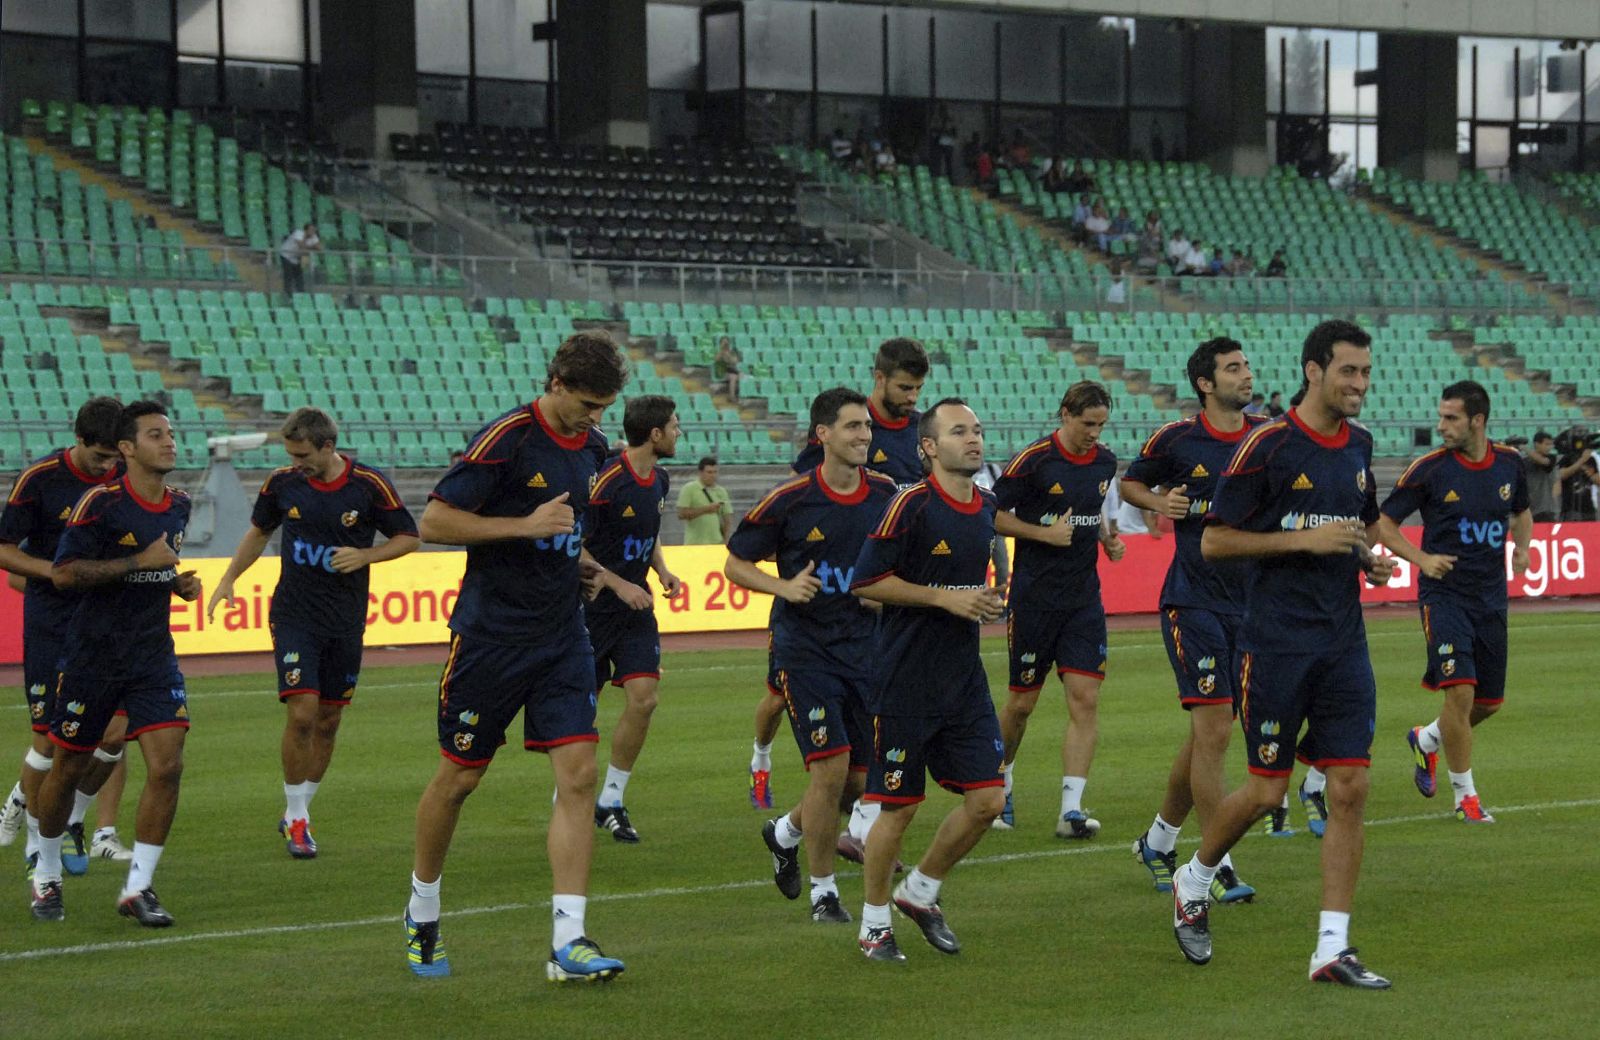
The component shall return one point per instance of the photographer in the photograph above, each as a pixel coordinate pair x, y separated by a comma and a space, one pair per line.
1539, 461
1576, 475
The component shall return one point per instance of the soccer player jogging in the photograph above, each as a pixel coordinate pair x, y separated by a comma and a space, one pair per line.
1050, 497
1298, 502
1473, 497
927, 562
516, 500
623, 534
31, 526
898, 371
120, 553
814, 525
1176, 475
331, 509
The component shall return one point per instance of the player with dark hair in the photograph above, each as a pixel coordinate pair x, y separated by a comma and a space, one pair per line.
1176, 475
518, 642
331, 509
35, 517
1473, 497
1049, 492
622, 532
814, 526
898, 371
120, 553
1298, 501
927, 562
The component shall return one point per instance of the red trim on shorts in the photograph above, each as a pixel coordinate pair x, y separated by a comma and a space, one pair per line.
619, 680
1263, 771
342, 702
1326, 763
284, 694
40, 728
1079, 671
481, 763
1488, 700
893, 799
1449, 683
1200, 702
817, 756
774, 691
1026, 689
546, 745
975, 785
174, 724
81, 749
123, 712
858, 769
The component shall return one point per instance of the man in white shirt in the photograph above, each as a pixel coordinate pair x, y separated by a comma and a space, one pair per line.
296, 247
1177, 250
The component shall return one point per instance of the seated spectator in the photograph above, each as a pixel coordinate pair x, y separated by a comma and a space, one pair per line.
1217, 267
1117, 290
1277, 267
1055, 176
840, 147
1122, 226
883, 162
1177, 250
1240, 266
725, 367
1195, 262
1020, 155
1097, 227
1080, 180
1148, 258
984, 166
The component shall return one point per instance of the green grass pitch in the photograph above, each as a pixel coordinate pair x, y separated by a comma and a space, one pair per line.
1485, 931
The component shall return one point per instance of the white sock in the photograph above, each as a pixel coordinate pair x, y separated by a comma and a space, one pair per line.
1162, 836
1072, 793
309, 789
1199, 878
786, 833
424, 905
1333, 935
920, 888
566, 919
49, 866
295, 800
1430, 739
873, 916
823, 886
142, 871
1314, 781
615, 787
862, 816
1227, 861
1006, 771
32, 844
1462, 785
761, 758
80, 807
1286, 799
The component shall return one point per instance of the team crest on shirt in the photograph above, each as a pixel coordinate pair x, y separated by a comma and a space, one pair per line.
1207, 684
819, 736
1268, 753
349, 519
1448, 668
1361, 481
1505, 492
463, 741
292, 677
891, 778
1104, 486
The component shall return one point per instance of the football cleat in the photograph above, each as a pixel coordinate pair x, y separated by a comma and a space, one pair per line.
827, 910
785, 862
1191, 922
424, 949
299, 841
11, 814
581, 961
1077, 824
29, 862
145, 908
615, 820
1007, 818
930, 919
1347, 971
854, 849
47, 905
1425, 773
1316, 810
110, 847
1471, 811
1227, 888
1160, 864
760, 789
879, 945
1276, 823
75, 851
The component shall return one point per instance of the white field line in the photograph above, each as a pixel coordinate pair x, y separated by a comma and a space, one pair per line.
393, 921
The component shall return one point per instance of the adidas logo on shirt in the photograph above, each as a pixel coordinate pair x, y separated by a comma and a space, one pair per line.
1055, 489
1302, 483
814, 535
128, 539
1451, 496
879, 456
942, 549
65, 513
537, 481
1199, 470
628, 511
294, 512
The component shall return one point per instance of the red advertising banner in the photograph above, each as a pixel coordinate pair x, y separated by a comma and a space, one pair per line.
411, 598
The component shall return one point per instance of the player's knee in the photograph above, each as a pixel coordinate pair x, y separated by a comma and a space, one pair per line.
1483, 709
165, 769
1266, 792
1083, 699
455, 784
1211, 730
1347, 791
986, 803
302, 718
1021, 704
643, 700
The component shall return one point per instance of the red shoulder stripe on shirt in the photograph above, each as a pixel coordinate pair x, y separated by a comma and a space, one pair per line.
1022, 456
1410, 471
380, 484
81, 510
792, 484
602, 483
897, 505
1145, 451
1250, 443
28, 474
490, 437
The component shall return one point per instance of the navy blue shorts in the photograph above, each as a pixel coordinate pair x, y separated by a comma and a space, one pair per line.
1332, 693
828, 714
774, 678
1071, 641
1466, 647
315, 663
961, 752
627, 645
1201, 646
84, 707
485, 684
41, 667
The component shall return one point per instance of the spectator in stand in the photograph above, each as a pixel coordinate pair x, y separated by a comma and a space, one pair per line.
1577, 481
1540, 463
1122, 228
883, 162
1195, 262
1055, 176
969, 156
1020, 155
1275, 404
840, 148
1257, 405
1277, 267
1081, 212
1117, 290
1080, 180
1178, 250
294, 253
1097, 227
860, 152
1148, 258
1217, 267
1240, 266
984, 166
725, 367
944, 144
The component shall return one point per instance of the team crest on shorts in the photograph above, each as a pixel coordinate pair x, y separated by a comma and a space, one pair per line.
1207, 684
1027, 676
891, 778
1268, 753
349, 519
463, 741
292, 677
1448, 668
69, 729
37, 709
819, 736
